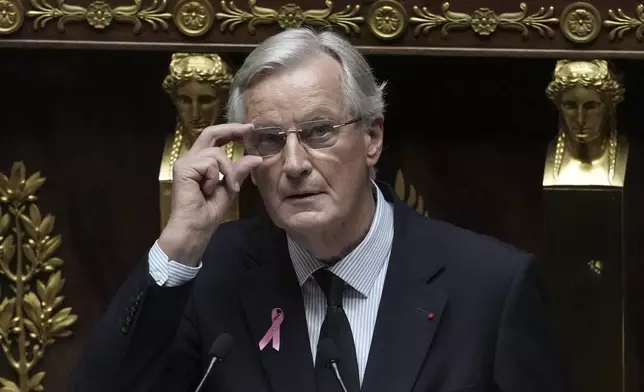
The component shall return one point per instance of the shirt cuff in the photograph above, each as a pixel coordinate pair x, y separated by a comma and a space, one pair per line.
169, 273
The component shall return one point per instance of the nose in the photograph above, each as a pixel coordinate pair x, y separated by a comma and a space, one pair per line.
296, 158
195, 111
580, 117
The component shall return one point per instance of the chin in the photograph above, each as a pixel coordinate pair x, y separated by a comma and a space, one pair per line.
303, 221
585, 138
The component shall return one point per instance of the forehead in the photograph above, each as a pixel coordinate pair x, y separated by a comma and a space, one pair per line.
195, 87
581, 93
294, 95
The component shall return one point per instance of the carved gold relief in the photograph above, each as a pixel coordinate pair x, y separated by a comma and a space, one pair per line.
30, 314
194, 17
288, 16
99, 14
12, 14
622, 23
484, 21
387, 19
409, 194
580, 22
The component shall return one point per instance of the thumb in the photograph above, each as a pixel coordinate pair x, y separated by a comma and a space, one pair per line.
244, 165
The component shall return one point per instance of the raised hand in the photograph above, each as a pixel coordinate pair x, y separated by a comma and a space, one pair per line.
204, 185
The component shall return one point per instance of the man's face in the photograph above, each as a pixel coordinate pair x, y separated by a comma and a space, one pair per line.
307, 190
198, 106
583, 112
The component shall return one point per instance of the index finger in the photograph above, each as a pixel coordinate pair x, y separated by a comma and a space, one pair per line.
220, 134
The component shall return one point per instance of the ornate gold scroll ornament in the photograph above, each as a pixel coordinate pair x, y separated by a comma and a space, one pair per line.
484, 21
289, 16
409, 194
99, 14
194, 17
387, 19
30, 318
580, 22
621, 23
12, 14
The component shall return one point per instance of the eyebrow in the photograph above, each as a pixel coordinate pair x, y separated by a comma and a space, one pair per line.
320, 113
317, 118
315, 115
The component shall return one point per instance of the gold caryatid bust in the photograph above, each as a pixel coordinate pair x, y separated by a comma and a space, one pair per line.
588, 149
198, 84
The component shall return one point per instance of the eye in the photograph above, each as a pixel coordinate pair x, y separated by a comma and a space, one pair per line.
269, 137
206, 99
569, 104
319, 131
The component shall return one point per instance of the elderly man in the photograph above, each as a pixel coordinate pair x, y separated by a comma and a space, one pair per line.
344, 287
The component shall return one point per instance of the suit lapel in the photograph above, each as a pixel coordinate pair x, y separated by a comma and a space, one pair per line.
273, 284
410, 308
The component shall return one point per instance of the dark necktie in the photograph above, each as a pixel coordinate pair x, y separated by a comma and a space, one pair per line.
336, 326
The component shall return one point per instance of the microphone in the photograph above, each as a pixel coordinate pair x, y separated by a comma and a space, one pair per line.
330, 355
219, 349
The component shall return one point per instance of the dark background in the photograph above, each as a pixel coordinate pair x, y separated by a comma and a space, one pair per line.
469, 134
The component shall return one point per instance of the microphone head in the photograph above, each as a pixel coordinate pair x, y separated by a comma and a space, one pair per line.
221, 346
328, 352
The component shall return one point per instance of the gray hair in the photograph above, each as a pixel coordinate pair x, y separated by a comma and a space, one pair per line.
291, 48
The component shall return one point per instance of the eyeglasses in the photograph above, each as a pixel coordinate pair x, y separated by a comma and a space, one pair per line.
315, 135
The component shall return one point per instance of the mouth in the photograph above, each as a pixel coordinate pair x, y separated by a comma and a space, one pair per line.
302, 196
198, 124
582, 134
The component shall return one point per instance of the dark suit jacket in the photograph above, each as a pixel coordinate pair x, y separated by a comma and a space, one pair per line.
490, 330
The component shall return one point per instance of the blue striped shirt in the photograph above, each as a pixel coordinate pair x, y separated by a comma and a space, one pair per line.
364, 271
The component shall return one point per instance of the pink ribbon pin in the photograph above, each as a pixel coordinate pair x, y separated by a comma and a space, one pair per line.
273, 332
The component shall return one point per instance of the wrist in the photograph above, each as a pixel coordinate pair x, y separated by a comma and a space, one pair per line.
183, 245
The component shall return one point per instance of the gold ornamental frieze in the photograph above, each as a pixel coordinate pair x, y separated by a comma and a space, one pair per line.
387, 19
12, 15
580, 22
484, 21
194, 17
100, 14
289, 16
31, 317
620, 23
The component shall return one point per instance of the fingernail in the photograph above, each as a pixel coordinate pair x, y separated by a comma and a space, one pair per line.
237, 187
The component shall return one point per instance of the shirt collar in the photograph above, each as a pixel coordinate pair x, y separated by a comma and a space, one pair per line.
361, 267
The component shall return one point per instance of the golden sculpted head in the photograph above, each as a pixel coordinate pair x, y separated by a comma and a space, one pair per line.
198, 84
586, 94
588, 149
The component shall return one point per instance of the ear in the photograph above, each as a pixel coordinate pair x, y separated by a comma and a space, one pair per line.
373, 139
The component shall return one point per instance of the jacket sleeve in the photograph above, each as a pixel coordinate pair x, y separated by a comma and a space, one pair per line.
528, 356
130, 344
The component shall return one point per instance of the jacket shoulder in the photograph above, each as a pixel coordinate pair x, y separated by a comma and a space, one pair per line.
466, 251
